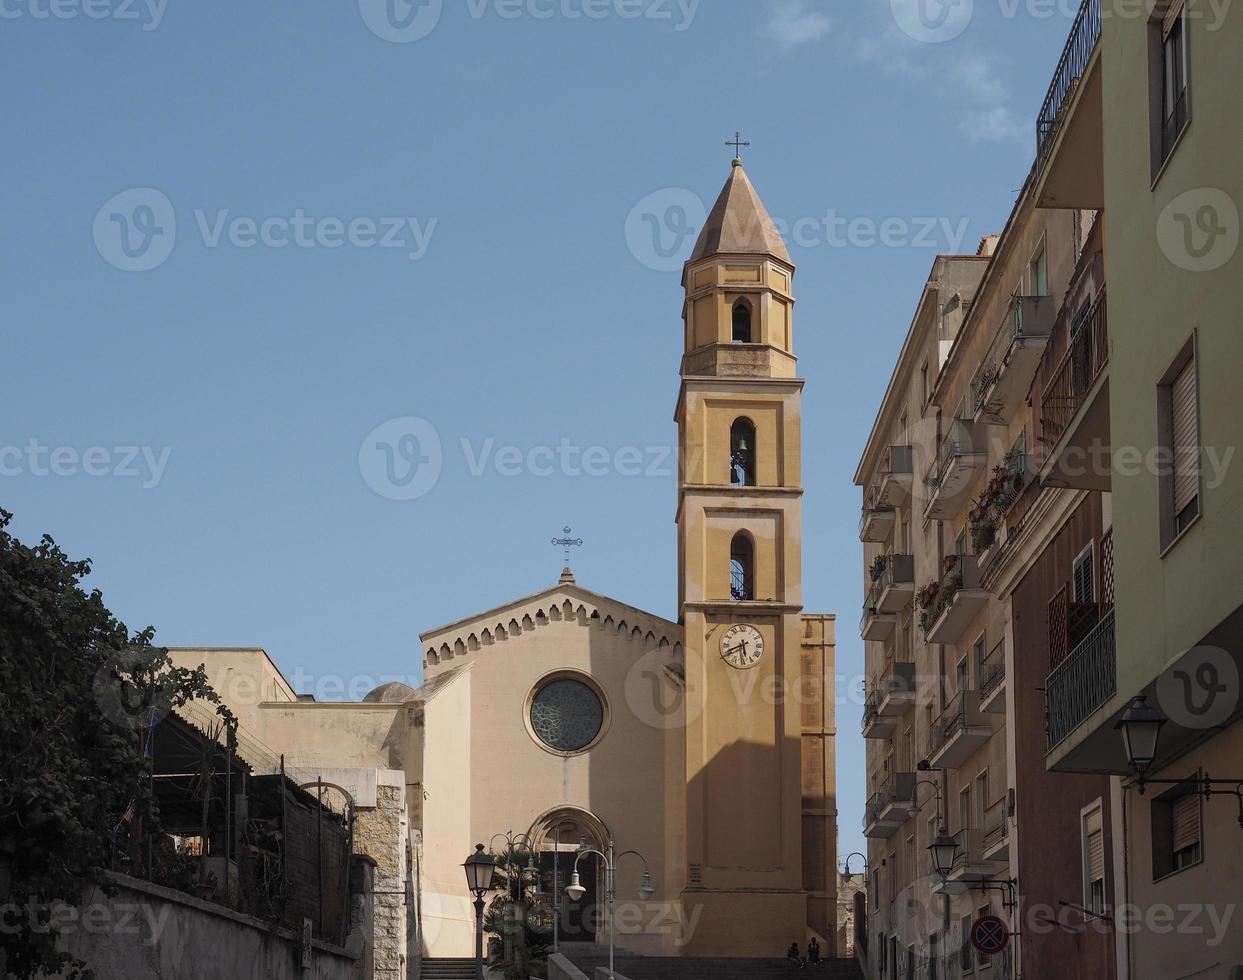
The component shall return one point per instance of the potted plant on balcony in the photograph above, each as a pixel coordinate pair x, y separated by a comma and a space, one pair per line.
983, 524
877, 568
926, 598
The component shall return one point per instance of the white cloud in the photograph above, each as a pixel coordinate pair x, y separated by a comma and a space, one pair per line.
792, 23
986, 116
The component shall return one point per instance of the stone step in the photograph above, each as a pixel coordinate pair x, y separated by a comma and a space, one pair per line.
713, 968
448, 969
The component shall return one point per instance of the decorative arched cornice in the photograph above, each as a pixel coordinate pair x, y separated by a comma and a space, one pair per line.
559, 606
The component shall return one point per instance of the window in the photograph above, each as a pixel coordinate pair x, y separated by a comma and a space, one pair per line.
964, 956
876, 896
981, 797
742, 453
1093, 844
1169, 103
1179, 432
933, 955
964, 809
566, 715
923, 384
978, 652
962, 677
742, 568
742, 322
882, 947
1176, 830
1081, 577
1038, 275
910, 963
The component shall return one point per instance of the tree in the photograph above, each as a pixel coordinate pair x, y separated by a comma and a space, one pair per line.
79, 695
506, 916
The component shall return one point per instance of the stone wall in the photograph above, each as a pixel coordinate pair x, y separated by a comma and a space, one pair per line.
147, 932
380, 833
846, 891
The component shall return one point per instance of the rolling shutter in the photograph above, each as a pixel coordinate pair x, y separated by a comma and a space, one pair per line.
1185, 438
1172, 13
1186, 813
1094, 848
1083, 578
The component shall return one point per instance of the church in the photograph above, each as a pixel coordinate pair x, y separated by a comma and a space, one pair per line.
701, 749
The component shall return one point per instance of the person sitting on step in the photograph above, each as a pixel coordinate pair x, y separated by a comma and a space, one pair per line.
793, 956
813, 952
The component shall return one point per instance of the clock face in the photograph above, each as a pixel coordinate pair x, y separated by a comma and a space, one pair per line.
742, 645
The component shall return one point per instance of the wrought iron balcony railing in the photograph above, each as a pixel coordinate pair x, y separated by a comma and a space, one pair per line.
1084, 36
1081, 683
1086, 356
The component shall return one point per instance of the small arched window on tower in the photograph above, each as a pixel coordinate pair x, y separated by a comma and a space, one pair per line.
742, 453
742, 568
742, 322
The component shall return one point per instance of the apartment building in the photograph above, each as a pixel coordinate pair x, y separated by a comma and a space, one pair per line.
1142, 121
1052, 532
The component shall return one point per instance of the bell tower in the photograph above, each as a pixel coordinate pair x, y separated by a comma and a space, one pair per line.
739, 551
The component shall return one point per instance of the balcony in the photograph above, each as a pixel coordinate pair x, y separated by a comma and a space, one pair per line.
877, 520
996, 843
959, 732
876, 725
1074, 408
970, 864
894, 576
1005, 374
1069, 148
876, 624
897, 475
960, 459
896, 690
889, 808
992, 681
1081, 683
951, 606
898, 798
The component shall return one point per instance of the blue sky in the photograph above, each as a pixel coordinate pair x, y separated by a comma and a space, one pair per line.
244, 236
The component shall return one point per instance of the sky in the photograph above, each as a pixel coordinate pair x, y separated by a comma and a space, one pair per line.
323, 319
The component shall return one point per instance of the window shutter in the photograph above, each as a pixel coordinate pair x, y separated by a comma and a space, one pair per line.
1186, 822
1096, 856
1083, 578
1172, 13
1185, 438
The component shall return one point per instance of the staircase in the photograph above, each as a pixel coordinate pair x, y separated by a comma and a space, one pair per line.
462, 969
707, 968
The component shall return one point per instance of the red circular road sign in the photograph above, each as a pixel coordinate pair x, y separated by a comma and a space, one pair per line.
990, 935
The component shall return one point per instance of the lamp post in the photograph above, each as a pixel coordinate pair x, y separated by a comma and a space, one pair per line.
576, 890
846, 870
479, 869
556, 883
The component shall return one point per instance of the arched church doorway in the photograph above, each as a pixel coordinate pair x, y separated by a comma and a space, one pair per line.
557, 836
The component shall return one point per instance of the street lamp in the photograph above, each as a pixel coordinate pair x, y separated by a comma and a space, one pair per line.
943, 850
1141, 726
479, 868
576, 890
846, 876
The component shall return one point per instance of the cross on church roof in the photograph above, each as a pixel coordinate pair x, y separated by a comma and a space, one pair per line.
567, 543
737, 143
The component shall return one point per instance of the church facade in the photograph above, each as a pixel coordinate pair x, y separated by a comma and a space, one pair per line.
704, 745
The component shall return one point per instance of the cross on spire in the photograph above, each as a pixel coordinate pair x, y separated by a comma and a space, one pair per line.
737, 143
567, 542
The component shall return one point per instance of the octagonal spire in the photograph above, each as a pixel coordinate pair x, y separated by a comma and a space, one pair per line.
739, 223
